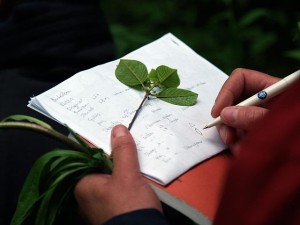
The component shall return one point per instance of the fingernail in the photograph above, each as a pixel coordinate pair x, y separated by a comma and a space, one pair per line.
229, 114
212, 112
213, 109
119, 131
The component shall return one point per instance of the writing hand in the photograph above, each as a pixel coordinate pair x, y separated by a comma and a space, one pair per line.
101, 197
236, 120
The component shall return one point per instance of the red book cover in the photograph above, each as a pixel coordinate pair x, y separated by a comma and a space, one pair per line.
197, 192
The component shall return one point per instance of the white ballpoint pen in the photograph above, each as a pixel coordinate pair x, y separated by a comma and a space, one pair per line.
263, 95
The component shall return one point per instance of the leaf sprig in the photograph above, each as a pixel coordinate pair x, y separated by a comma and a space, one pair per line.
161, 83
48, 188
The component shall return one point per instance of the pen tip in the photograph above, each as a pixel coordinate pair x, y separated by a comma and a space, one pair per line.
205, 127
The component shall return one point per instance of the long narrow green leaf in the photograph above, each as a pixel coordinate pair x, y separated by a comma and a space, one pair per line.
71, 156
55, 208
90, 150
31, 192
27, 118
42, 214
56, 162
63, 202
77, 138
42, 211
63, 161
65, 174
64, 168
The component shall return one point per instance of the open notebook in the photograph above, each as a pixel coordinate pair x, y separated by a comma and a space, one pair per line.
170, 139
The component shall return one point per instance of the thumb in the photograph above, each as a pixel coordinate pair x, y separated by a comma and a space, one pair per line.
242, 117
124, 153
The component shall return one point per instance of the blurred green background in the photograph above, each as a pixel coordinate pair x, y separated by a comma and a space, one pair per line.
255, 34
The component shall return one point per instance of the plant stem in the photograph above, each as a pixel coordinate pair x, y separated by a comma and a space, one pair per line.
43, 130
138, 110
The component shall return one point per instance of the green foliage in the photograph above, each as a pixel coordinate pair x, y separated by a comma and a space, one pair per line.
26, 118
161, 82
37, 189
131, 72
253, 34
48, 188
295, 54
166, 76
178, 96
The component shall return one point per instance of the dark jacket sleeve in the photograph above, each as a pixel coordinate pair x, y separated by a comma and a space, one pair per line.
41, 44
139, 217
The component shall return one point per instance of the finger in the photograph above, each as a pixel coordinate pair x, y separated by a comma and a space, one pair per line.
124, 153
242, 82
236, 148
242, 117
227, 134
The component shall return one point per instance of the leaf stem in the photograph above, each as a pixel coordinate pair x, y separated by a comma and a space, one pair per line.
43, 130
138, 110
154, 85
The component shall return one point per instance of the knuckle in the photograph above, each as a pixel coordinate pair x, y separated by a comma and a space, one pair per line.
249, 117
237, 72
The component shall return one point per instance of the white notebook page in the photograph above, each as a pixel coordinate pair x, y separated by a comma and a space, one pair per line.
170, 139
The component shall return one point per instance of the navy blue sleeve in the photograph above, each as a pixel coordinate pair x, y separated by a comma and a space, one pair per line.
139, 217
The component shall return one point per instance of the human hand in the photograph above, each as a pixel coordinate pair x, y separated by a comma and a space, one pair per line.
101, 197
236, 120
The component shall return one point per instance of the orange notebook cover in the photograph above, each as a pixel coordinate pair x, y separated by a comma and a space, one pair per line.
197, 192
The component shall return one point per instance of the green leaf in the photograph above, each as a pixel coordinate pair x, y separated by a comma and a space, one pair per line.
60, 202
90, 150
131, 72
27, 118
167, 76
77, 138
153, 76
97, 153
31, 191
43, 211
64, 168
178, 96
66, 173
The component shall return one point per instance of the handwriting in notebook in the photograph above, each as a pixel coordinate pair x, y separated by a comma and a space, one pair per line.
169, 138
